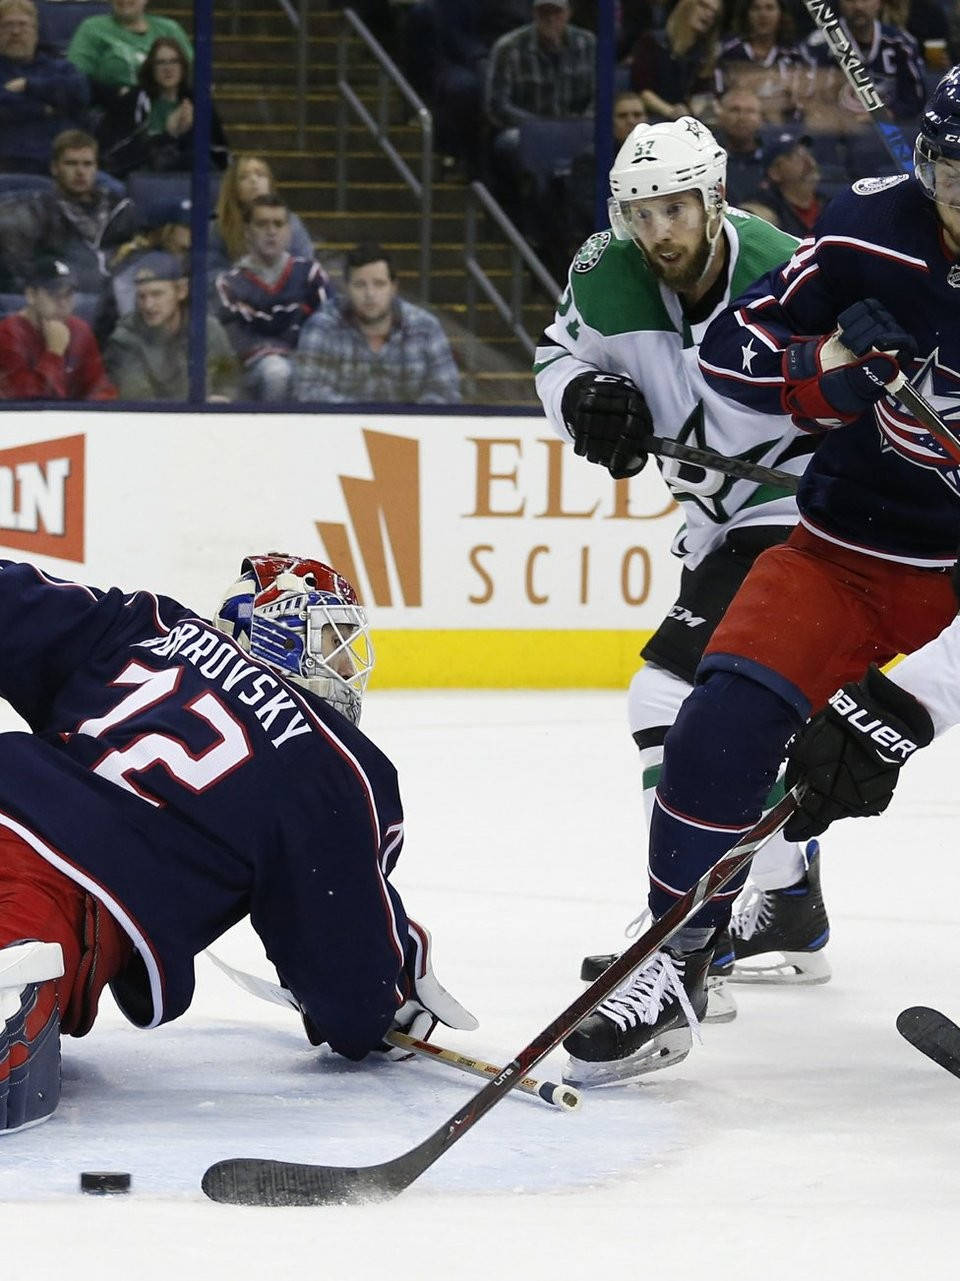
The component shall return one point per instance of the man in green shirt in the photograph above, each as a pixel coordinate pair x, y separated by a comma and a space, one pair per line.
110, 48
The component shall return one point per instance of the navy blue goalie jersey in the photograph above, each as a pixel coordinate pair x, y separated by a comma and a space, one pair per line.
187, 785
881, 485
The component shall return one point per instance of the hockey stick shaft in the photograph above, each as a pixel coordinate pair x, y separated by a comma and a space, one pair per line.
665, 448
560, 1096
925, 413
564, 1097
252, 1181
849, 62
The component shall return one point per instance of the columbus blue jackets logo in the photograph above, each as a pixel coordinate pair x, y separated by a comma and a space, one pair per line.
940, 386
591, 251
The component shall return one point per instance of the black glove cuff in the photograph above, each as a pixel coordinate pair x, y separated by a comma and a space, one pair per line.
570, 399
893, 698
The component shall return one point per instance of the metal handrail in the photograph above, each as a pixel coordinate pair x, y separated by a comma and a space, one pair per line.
389, 74
521, 255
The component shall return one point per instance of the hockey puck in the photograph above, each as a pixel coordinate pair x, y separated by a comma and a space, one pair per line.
102, 1182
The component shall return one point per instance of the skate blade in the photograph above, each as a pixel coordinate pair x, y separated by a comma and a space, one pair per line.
796, 968
721, 1007
664, 1050
30, 962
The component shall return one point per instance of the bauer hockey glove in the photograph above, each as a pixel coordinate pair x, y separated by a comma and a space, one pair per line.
427, 1002
848, 756
608, 421
831, 381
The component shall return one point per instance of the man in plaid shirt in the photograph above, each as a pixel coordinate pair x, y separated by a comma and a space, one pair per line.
372, 347
545, 69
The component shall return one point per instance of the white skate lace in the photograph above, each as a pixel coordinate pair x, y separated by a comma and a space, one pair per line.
755, 913
642, 997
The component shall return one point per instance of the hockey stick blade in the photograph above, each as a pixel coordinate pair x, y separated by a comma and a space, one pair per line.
255, 1181
933, 1034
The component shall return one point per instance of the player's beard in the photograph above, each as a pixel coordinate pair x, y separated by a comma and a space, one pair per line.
685, 274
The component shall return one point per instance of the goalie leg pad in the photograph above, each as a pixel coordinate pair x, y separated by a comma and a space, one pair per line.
29, 1034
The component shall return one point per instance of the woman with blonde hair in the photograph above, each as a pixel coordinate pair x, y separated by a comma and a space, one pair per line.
247, 177
673, 70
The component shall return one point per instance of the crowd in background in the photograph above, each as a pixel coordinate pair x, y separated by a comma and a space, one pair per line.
97, 145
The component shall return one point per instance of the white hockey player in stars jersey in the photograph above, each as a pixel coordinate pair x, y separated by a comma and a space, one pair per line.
622, 350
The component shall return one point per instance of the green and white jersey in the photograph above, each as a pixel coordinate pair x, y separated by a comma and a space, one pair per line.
615, 316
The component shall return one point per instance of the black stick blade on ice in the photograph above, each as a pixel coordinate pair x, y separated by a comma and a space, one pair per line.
933, 1034
255, 1181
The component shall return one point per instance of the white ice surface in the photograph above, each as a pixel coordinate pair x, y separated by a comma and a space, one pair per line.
804, 1140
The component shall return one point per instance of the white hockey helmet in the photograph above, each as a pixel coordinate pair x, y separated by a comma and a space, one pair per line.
663, 159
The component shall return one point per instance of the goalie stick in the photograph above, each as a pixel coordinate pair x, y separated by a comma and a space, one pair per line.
256, 1181
897, 146
933, 1034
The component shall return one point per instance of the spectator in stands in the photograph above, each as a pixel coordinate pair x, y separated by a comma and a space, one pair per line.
110, 47
247, 177
761, 55
148, 354
41, 94
169, 234
892, 59
739, 117
46, 353
792, 182
546, 69
673, 69
77, 221
151, 128
928, 23
265, 299
372, 347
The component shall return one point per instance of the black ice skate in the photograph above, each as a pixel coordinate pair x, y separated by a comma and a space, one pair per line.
779, 935
646, 1025
721, 1007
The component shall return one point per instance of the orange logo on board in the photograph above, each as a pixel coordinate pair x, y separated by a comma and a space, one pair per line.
42, 498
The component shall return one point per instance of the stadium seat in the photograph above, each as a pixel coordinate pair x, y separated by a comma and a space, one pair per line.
59, 19
12, 184
549, 147
155, 194
10, 303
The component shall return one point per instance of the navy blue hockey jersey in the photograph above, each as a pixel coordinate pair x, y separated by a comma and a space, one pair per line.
187, 785
881, 485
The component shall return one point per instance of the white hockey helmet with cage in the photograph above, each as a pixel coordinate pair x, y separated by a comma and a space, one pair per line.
663, 160
304, 620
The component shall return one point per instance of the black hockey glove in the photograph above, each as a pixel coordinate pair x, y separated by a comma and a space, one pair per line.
848, 756
834, 380
608, 420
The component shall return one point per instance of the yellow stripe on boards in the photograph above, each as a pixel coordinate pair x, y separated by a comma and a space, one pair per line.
502, 659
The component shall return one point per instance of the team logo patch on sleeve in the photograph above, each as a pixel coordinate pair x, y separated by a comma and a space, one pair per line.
870, 186
591, 251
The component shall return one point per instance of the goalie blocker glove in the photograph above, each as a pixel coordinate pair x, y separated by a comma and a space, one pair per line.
608, 421
831, 381
848, 756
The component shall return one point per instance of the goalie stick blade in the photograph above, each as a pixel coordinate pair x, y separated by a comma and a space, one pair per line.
933, 1034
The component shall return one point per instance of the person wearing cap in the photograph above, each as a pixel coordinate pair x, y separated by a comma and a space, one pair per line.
40, 92
792, 179
47, 353
148, 353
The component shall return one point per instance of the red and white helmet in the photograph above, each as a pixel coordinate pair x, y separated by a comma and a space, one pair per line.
305, 620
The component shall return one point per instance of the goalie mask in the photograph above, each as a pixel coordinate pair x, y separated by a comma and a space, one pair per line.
664, 160
936, 153
304, 620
